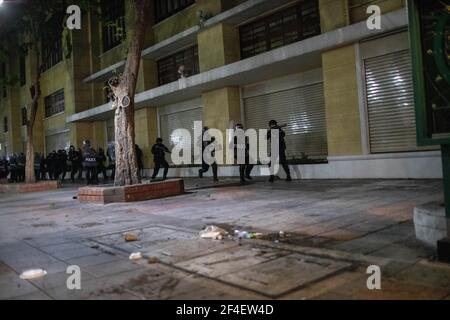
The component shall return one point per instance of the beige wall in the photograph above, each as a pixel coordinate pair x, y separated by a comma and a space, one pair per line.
341, 102
220, 107
146, 127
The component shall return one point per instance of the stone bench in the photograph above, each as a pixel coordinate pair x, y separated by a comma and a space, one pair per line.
134, 193
430, 223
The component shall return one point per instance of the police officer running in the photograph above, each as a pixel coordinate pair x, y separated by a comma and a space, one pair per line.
282, 149
245, 169
159, 153
205, 166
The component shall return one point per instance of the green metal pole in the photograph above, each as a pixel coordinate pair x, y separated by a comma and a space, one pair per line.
446, 169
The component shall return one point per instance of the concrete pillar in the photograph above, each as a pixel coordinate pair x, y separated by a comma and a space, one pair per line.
146, 127
341, 102
220, 107
218, 46
334, 14
148, 75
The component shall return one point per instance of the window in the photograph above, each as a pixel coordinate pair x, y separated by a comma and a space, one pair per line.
113, 26
168, 67
24, 116
167, 8
52, 53
54, 103
282, 28
3, 78
22, 71
5, 124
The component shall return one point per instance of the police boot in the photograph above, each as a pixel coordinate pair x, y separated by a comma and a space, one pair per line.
272, 179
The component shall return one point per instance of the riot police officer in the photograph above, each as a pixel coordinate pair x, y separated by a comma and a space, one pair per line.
282, 149
159, 151
13, 168
21, 161
61, 165
75, 160
3, 168
205, 166
101, 159
90, 163
245, 169
37, 166
51, 165
140, 160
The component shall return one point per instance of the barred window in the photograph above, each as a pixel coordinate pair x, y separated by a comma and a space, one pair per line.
113, 26
168, 67
279, 29
22, 71
54, 103
52, 54
167, 8
24, 116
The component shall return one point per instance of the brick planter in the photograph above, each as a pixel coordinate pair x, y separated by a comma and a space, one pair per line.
133, 193
30, 187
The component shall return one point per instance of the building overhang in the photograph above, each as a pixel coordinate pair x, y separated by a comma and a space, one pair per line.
297, 57
235, 16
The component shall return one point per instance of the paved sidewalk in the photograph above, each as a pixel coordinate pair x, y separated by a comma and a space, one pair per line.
333, 230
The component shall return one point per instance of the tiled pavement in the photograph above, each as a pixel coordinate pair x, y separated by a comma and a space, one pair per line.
333, 231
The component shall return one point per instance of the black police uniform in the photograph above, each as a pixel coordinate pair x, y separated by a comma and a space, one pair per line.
21, 161
13, 168
51, 165
246, 168
75, 159
140, 160
90, 164
3, 168
282, 153
159, 157
205, 166
101, 159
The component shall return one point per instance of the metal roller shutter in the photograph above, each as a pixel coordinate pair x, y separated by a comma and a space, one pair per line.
57, 142
179, 120
302, 109
390, 103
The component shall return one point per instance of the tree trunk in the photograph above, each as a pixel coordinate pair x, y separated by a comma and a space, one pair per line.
30, 176
124, 89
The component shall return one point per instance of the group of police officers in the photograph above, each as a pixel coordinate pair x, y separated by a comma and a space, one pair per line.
86, 159
58, 163
245, 169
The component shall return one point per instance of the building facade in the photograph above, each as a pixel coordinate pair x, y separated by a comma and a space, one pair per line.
345, 91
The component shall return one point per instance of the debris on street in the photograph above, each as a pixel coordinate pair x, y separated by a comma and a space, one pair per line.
213, 232
136, 256
131, 237
153, 260
33, 274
